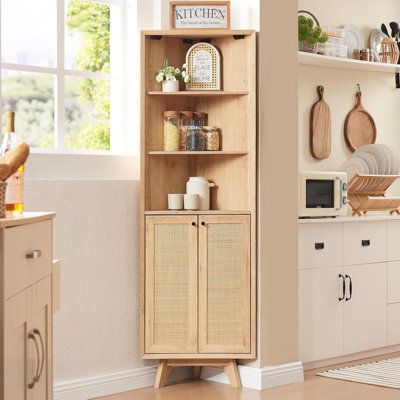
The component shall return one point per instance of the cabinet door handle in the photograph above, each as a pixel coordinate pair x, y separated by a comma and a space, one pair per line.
37, 332
31, 385
343, 287
365, 243
203, 223
194, 223
34, 254
319, 246
350, 287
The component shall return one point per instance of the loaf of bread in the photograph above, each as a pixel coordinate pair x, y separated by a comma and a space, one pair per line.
4, 172
13, 158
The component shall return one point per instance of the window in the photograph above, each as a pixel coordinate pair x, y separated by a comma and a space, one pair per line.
64, 70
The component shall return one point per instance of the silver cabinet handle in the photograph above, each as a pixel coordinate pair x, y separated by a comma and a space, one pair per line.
31, 385
34, 254
37, 332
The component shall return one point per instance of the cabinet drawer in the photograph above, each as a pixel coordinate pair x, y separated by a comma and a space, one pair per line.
393, 324
320, 245
393, 240
364, 242
27, 255
393, 282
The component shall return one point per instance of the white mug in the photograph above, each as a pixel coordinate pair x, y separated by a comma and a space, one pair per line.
191, 201
175, 201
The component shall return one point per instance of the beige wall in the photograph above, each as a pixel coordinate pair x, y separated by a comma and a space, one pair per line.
380, 97
278, 165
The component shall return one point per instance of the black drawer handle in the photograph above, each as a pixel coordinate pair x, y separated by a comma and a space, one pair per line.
365, 243
319, 246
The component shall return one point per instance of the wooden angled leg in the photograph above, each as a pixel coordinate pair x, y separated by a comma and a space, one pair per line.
232, 373
196, 372
162, 374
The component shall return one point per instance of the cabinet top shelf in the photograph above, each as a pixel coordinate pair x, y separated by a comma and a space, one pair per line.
196, 212
200, 93
317, 60
198, 33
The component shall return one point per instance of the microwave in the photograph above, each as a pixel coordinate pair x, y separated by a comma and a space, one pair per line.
322, 194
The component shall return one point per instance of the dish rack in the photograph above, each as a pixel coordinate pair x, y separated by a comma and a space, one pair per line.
368, 193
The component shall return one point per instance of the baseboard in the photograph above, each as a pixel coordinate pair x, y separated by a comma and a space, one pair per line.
259, 378
116, 382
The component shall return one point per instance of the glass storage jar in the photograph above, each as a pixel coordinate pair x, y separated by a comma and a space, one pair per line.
199, 118
171, 131
212, 139
195, 138
185, 121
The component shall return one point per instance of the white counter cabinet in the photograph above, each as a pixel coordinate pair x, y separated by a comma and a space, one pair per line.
349, 286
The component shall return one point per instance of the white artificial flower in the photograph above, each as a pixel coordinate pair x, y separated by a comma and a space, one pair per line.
160, 77
184, 66
177, 71
173, 78
183, 74
187, 79
171, 69
168, 77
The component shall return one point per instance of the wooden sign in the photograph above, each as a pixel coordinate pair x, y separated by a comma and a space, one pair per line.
199, 15
204, 67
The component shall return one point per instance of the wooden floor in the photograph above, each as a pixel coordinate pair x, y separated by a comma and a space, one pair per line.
313, 388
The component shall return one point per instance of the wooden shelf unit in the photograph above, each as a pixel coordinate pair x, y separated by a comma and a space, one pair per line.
318, 60
233, 170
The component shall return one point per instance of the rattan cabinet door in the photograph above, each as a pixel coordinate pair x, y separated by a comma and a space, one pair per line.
171, 284
224, 284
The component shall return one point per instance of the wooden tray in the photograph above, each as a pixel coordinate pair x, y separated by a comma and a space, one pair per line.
368, 193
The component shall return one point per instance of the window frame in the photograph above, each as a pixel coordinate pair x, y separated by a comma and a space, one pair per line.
118, 142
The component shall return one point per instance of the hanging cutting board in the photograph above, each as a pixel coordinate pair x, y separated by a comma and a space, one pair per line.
320, 129
359, 128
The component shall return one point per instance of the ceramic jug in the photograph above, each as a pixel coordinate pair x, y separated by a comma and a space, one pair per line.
200, 186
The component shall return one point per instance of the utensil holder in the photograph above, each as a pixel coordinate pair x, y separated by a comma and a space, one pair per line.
3, 187
368, 193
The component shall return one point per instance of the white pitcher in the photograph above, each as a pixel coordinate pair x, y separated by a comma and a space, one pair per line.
200, 186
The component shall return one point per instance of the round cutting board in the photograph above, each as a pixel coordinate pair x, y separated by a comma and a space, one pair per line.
359, 128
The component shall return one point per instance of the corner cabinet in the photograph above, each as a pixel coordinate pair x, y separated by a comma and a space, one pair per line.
30, 296
198, 268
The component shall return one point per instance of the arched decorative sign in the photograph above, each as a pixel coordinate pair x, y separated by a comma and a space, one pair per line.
204, 67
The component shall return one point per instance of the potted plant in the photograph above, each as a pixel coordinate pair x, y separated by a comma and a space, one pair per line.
309, 34
170, 76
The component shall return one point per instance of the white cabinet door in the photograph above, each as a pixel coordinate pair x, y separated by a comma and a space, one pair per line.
365, 313
320, 313
393, 282
393, 324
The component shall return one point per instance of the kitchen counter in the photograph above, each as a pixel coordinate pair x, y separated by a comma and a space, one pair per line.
25, 218
350, 218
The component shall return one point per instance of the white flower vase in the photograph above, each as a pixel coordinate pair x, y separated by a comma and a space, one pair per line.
170, 86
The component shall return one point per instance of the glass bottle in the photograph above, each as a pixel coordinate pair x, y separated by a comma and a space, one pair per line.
171, 131
185, 121
195, 139
14, 200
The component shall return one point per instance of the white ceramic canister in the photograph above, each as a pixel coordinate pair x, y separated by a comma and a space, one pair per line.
200, 186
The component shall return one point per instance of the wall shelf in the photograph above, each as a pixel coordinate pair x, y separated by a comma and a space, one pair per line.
317, 60
197, 153
202, 93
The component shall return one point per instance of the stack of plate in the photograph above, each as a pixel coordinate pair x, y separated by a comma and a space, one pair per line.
373, 159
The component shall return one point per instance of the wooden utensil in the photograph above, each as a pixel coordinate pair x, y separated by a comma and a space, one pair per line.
359, 127
320, 127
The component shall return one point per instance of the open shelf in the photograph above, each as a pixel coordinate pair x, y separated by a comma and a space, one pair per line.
197, 153
200, 93
317, 60
195, 212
